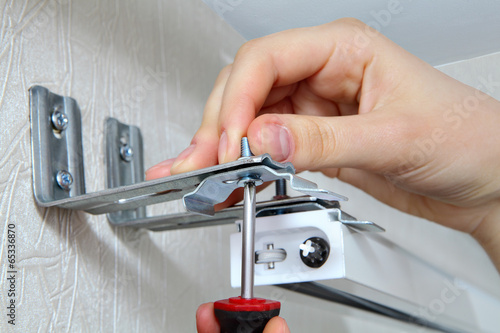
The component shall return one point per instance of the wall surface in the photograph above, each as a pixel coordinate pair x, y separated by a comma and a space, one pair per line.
76, 273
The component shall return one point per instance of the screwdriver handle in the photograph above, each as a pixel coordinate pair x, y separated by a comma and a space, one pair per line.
243, 315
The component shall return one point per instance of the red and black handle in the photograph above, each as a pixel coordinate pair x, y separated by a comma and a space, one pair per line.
244, 315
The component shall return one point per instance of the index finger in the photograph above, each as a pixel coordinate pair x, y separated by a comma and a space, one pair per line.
285, 58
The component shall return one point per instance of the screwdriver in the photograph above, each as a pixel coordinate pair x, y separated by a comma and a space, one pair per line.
246, 313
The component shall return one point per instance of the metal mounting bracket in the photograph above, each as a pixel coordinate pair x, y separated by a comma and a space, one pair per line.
124, 163
54, 149
58, 175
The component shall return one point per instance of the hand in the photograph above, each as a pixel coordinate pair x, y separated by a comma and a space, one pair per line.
342, 99
207, 323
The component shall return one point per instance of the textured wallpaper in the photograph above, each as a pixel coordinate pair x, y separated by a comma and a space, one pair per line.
76, 273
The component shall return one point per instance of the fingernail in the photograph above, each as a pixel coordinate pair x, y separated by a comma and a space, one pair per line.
222, 147
275, 140
182, 156
159, 170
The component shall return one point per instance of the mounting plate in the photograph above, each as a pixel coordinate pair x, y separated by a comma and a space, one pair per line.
122, 171
53, 150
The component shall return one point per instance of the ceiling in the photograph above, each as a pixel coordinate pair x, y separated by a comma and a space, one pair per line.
439, 32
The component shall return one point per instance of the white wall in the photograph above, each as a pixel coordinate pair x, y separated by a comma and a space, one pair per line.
78, 274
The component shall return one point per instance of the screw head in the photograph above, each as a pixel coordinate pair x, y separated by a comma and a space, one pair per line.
126, 153
314, 252
59, 120
250, 179
64, 179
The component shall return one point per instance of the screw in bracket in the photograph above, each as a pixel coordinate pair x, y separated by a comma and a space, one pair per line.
280, 188
314, 252
59, 120
245, 153
64, 179
280, 183
126, 153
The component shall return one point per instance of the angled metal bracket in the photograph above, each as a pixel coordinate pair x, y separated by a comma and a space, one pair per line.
56, 145
58, 174
124, 163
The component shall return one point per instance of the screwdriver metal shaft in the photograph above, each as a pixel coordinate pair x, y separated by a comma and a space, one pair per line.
248, 241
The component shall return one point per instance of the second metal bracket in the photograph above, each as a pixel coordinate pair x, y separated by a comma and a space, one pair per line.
124, 162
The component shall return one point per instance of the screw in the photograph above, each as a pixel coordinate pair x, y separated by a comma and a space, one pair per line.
245, 153
280, 188
280, 185
314, 252
64, 179
126, 153
59, 120
245, 148
250, 179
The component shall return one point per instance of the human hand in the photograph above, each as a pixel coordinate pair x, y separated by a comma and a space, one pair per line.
207, 323
342, 99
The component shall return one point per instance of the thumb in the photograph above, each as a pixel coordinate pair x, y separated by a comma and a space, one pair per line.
371, 141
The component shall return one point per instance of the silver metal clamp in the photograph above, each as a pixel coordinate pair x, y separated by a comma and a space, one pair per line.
58, 175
